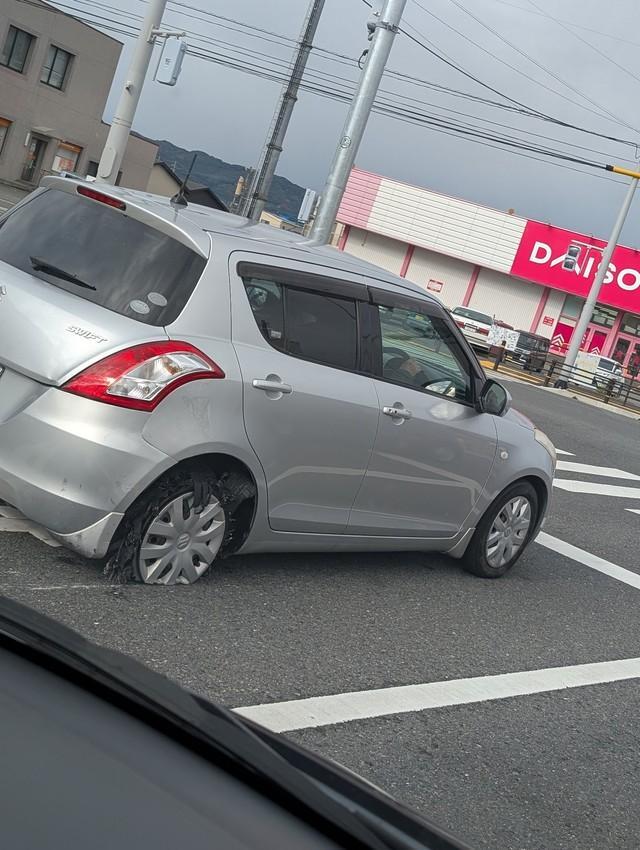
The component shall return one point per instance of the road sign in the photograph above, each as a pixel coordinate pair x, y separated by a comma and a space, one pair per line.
306, 207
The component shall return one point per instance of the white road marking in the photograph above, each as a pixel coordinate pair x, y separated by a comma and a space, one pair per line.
587, 469
359, 705
12, 520
633, 510
568, 454
25, 526
589, 559
9, 588
596, 489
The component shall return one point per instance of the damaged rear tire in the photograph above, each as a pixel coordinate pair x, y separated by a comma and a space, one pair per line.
175, 531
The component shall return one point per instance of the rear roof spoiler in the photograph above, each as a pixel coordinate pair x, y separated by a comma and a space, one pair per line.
171, 225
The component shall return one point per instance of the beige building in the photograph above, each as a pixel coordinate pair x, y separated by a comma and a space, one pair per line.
55, 77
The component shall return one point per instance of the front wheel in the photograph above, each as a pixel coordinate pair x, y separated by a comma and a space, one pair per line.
504, 532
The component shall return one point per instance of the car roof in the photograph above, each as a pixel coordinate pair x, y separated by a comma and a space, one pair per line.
198, 223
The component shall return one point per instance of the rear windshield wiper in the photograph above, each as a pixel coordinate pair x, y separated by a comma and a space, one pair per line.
42, 266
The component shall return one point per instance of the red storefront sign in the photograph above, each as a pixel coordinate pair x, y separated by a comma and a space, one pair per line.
541, 253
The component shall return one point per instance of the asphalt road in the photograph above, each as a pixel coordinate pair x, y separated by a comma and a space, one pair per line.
543, 769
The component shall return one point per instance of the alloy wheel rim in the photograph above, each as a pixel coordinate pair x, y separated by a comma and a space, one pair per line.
180, 543
508, 531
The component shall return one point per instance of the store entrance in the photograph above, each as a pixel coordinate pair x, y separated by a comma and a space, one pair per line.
626, 351
594, 340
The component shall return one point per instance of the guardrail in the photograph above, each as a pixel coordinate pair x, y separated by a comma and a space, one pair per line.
550, 371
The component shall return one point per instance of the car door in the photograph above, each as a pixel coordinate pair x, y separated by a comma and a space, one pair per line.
309, 416
433, 451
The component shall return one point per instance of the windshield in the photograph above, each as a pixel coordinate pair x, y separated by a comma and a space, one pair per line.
102, 256
473, 315
608, 365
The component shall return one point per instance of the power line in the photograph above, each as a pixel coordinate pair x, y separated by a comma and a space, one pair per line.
601, 109
389, 108
106, 23
588, 43
571, 24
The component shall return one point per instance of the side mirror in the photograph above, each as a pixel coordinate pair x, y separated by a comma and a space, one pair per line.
494, 398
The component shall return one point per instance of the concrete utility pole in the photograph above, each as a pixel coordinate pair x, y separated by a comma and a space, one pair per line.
116, 143
385, 28
283, 114
592, 298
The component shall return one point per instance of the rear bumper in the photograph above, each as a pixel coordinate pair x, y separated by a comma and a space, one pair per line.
74, 466
476, 340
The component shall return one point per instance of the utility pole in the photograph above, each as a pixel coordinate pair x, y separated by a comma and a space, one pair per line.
592, 298
384, 28
116, 143
283, 114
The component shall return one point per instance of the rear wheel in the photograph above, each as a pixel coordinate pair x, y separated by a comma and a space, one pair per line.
181, 541
504, 532
173, 533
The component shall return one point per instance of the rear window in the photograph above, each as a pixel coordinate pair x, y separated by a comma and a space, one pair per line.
473, 315
136, 270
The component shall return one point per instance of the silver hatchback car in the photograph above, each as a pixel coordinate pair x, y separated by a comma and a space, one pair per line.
177, 384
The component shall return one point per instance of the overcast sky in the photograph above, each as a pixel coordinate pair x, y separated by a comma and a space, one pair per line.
227, 112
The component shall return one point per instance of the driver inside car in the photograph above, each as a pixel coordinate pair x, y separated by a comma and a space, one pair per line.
407, 370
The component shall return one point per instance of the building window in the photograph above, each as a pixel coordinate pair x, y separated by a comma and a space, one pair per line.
604, 316
630, 324
572, 306
16, 49
4, 129
92, 168
55, 69
66, 158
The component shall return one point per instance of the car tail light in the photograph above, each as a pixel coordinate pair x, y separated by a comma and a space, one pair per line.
102, 198
483, 331
459, 323
141, 376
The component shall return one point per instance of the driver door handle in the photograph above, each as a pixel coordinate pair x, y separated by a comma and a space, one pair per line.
273, 386
397, 412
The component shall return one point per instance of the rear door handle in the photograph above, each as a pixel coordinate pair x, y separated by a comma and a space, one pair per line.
272, 386
397, 412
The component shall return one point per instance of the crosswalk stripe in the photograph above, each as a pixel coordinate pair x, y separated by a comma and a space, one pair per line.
587, 469
596, 489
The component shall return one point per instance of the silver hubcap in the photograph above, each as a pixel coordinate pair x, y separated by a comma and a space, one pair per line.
509, 531
181, 544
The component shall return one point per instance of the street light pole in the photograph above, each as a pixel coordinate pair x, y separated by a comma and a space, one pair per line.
385, 31
283, 116
116, 143
592, 298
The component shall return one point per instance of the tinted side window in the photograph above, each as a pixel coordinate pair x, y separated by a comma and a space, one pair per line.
314, 325
267, 304
321, 327
421, 351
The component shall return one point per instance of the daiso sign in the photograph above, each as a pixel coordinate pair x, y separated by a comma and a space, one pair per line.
542, 251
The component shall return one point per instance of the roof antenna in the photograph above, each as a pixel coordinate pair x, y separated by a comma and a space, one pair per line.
180, 199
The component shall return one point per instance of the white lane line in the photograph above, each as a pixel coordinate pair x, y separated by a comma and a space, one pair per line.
589, 559
25, 526
359, 705
568, 454
587, 469
596, 489
12, 588
633, 510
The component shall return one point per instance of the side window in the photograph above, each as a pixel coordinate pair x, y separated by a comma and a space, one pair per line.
267, 305
306, 323
420, 351
321, 327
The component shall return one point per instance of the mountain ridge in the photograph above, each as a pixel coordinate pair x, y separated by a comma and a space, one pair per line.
222, 177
